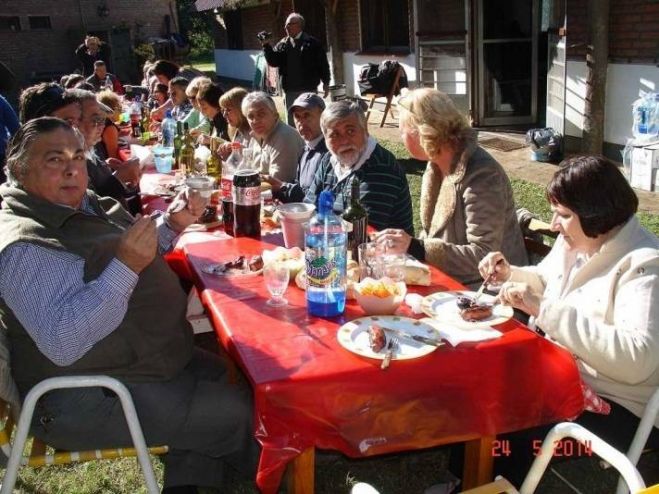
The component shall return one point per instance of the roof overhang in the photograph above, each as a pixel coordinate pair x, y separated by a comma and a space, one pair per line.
202, 5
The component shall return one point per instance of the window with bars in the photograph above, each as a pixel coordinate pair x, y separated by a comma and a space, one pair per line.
10, 23
385, 25
39, 22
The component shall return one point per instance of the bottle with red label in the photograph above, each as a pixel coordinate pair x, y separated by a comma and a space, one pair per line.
247, 204
232, 163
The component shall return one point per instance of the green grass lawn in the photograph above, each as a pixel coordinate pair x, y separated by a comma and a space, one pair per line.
205, 63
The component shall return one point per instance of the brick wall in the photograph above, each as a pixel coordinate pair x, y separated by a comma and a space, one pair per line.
38, 51
633, 31
348, 25
263, 18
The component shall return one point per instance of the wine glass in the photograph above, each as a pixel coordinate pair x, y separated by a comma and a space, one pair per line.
276, 276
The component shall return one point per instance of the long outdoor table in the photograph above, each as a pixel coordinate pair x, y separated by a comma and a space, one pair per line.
312, 393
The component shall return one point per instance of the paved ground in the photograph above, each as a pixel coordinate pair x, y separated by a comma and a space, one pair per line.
517, 163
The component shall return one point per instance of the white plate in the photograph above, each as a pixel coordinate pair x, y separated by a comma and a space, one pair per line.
442, 307
353, 336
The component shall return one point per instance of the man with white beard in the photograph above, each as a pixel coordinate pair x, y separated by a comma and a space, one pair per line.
383, 189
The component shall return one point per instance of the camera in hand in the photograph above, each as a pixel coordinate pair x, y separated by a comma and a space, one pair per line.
264, 35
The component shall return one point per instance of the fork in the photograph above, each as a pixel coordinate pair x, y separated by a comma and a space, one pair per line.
391, 348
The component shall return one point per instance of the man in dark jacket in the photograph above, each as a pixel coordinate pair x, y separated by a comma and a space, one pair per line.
91, 50
301, 60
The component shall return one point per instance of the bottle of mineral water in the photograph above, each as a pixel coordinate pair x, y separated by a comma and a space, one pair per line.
325, 259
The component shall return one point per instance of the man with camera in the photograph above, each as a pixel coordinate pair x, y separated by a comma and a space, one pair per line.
301, 60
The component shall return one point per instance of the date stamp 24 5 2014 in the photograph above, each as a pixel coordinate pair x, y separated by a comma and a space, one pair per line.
565, 448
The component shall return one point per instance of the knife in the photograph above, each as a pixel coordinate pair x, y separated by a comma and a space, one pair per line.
415, 337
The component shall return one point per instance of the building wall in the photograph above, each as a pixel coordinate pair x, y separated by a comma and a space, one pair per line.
29, 52
632, 70
625, 83
633, 30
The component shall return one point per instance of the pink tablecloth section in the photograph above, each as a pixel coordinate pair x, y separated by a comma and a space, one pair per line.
310, 391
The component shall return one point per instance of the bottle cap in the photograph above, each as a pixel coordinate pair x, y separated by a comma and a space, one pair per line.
168, 114
236, 145
325, 202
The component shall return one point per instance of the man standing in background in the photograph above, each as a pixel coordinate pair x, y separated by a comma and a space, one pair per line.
301, 60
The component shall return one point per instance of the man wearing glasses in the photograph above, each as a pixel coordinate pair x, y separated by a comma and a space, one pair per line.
301, 60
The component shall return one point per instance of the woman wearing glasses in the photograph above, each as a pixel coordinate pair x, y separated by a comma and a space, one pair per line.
467, 207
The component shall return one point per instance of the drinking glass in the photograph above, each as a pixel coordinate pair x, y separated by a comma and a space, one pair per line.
392, 266
368, 260
276, 276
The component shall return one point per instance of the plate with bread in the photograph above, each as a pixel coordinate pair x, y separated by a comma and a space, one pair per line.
460, 309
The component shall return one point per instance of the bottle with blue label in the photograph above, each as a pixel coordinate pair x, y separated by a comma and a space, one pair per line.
325, 259
168, 128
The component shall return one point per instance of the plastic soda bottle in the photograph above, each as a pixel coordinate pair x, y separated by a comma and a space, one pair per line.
232, 163
168, 130
325, 259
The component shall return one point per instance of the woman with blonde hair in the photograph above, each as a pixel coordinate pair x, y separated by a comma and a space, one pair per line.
197, 123
467, 207
239, 130
108, 146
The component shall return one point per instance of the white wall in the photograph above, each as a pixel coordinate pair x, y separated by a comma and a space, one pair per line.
236, 64
240, 64
352, 64
624, 84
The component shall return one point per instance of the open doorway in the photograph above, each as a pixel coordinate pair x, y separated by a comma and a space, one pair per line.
506, 61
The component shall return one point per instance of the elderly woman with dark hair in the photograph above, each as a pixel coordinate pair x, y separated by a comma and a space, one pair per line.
467, 207
208, 99
596, 293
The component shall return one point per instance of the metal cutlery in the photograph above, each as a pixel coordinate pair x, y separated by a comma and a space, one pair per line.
392, 345
416, 337
486, 281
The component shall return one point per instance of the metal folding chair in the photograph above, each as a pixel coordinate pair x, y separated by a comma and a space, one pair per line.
39, 458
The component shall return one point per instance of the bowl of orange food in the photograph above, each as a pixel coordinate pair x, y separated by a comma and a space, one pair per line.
379, 297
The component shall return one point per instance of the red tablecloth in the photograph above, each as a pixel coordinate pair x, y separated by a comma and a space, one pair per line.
310, 391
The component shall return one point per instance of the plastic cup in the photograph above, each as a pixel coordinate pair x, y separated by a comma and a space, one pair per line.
163, 158
294, 216
201, 184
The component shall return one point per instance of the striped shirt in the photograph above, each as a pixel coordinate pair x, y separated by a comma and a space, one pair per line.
65, 316
383, 190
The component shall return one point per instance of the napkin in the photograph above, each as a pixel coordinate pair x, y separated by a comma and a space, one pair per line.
416, 273
455, 335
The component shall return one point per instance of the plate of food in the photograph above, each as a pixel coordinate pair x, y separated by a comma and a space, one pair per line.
459, 309
238, 266
368, 337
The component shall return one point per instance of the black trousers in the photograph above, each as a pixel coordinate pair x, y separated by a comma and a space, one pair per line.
205, 420
516, 451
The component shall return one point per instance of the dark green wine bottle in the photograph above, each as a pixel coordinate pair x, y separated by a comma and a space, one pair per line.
355, 220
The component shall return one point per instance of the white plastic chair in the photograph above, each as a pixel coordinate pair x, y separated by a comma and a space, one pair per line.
566, 429
604, 450
641, 437
15, 451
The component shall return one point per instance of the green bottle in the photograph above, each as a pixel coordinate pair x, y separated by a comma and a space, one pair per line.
186, 155
355, 220
178, 142
214, 164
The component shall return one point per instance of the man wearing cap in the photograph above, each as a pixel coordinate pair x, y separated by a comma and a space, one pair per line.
301, 60
306, 111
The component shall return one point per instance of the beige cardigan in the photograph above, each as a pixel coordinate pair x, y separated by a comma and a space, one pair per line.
607, 314
469, 214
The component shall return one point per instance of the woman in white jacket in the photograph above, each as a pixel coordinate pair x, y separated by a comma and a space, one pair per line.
596, 294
